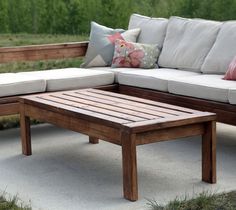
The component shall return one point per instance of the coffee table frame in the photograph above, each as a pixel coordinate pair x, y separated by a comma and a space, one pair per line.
84, 114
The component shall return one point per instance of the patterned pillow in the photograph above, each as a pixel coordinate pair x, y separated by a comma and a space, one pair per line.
135, 55
101, 45
231, 72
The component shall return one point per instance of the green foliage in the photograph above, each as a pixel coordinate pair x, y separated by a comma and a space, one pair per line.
14, 67
13, 121
11, 204
204, 201
7, 40
74, 16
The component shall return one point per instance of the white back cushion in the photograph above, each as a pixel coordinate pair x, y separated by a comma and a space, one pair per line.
153, 30
187, 43
223, 51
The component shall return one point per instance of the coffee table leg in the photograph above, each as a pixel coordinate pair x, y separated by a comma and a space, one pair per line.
25, 132
93, 140
130, 184
209, 153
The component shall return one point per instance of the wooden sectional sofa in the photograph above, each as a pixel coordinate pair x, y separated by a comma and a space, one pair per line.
9, 105
226, 112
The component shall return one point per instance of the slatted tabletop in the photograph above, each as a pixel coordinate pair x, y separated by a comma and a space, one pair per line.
119, 109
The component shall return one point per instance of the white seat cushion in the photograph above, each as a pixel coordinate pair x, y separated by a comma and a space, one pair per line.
187, 43
156, 79
223, 51
153, 30
73, 78
210, 87
232, 95
12, 84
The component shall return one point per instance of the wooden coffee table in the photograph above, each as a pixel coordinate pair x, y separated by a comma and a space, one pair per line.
123, 120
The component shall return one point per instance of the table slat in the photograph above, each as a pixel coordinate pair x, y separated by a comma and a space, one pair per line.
113, 107
93, 109
145, 101
86, 114
160, 111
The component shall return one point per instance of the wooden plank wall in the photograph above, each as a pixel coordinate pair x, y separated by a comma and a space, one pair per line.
43, 52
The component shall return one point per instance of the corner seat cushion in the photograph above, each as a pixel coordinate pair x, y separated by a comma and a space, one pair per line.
210, 87
232, 95
187, 43
73, 78
12, 84
155, 79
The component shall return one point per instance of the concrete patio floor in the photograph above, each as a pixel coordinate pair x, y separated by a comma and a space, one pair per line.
67, 173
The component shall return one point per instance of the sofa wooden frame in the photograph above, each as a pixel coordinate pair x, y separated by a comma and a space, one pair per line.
226, 113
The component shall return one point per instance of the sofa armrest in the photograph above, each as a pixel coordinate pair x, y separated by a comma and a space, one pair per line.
43, 52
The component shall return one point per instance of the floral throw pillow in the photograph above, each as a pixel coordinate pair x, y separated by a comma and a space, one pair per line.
135, 55
231, 72
101, 44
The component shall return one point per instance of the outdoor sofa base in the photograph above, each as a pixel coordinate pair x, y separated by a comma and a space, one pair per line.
226, 113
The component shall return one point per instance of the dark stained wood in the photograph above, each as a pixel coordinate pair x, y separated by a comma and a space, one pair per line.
226, 113
129, 164
103, 115
158, 110
9, 106
141, 108
111, 88
43, 52
9, 109
209, 153
169, 133
170, 122
93, 140
84, 101
73, 111
7, 100
90, 107
142, 100
25, 132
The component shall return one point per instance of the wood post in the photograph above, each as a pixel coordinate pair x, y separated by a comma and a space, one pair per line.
130, 183
209, 153
93, 140
25, 132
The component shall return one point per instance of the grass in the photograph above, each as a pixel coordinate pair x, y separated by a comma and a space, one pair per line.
204, 201
13, 121
9, 40
40, 65
12, 204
